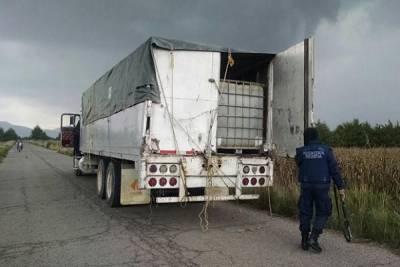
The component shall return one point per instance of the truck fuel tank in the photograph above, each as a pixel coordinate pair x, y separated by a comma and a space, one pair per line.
87, 165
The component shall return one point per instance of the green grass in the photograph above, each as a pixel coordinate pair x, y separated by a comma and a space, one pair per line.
372, 215
4, 148
53, 145
372, 195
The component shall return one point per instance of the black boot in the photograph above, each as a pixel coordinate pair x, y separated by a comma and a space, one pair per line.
314, 243
304, 241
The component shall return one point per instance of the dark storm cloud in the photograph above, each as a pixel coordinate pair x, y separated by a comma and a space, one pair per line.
358, 72
123, 24
51, 51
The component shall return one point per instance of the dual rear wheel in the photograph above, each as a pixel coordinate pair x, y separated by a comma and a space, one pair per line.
109, 181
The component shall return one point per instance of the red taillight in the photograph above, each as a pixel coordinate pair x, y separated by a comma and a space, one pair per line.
152, 182
253, 181
168, 152
153, 168
261, 181
245, 181
163, 181
173, 181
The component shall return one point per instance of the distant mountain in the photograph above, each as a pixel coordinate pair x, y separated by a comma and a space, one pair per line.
23, 131
53, 133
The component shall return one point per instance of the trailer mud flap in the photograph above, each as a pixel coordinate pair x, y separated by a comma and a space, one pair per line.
130, 191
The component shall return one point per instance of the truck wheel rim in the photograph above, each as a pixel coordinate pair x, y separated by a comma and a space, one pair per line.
109, 185
99, 179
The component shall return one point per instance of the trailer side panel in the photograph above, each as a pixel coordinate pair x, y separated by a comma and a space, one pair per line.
118, 136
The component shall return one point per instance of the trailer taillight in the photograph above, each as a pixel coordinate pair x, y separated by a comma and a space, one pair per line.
246, 169
261, 181
173, 181
163, 181
262, 169
245, 181
163, 168
152, 182
254, 169
253, 181
173, 168
153, 168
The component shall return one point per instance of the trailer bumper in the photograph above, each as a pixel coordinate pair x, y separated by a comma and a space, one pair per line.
204, 198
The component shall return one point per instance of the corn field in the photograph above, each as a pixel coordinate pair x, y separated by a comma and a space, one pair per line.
377, 170
373, 191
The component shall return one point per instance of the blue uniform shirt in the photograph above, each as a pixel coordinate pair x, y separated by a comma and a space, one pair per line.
317, 165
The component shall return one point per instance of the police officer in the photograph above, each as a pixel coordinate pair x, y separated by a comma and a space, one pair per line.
317, 166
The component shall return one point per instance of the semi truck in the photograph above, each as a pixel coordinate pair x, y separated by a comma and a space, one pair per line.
178, 121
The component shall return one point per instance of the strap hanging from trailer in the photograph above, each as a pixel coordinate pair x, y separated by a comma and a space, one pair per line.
229, 63
171, 120
210, 166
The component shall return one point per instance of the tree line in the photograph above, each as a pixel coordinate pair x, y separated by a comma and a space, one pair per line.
8, 135
36, 134
360, 134
347, 134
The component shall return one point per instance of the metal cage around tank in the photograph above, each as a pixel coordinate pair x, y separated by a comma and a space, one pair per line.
240, 115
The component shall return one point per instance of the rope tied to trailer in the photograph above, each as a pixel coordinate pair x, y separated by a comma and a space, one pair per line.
172, 120
210, 167
229, 63
203, 215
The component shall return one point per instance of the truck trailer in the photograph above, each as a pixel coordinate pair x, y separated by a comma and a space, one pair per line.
178, 121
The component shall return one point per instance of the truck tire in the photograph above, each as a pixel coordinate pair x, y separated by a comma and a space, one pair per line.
101, 178
78, 172
113, 184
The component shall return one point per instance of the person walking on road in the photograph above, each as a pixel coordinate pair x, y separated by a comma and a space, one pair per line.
316, 167
20, 146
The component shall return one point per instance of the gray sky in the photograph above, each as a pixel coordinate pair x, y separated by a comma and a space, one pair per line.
51, 51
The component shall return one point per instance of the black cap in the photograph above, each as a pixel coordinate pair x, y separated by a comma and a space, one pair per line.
310, 134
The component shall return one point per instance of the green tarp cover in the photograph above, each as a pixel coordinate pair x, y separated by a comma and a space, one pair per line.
133, 80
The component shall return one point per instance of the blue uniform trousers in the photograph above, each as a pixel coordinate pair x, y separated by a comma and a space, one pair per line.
314, 195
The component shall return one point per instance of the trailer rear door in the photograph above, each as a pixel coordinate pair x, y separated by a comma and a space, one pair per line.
292, 96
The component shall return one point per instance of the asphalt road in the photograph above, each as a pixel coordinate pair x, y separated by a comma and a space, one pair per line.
49, 217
